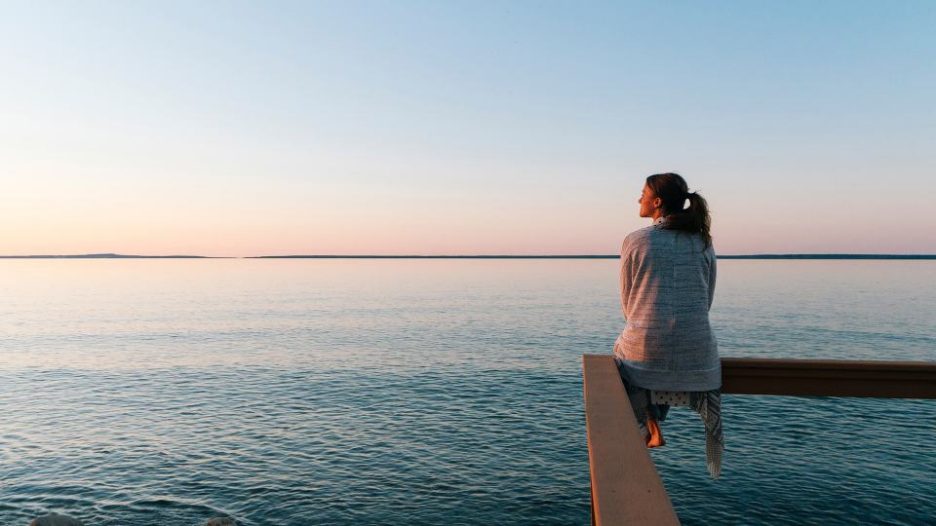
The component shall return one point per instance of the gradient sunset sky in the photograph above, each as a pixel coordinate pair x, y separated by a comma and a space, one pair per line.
251, 128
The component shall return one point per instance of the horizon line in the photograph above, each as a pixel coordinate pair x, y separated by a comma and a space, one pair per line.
471, 256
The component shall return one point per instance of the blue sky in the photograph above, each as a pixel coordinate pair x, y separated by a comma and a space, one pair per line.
240, 128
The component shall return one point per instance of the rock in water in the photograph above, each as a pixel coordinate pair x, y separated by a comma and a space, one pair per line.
54, 519
221, 521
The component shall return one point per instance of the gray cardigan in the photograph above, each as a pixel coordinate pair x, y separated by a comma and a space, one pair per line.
667, 287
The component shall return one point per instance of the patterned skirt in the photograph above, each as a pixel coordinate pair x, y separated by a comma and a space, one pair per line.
651, 407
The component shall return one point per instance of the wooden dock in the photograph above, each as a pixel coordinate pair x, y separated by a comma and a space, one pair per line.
625, 486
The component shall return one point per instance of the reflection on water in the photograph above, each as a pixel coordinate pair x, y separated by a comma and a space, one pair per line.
434, 391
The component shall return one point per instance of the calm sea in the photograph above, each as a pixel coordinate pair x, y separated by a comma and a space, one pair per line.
292, 392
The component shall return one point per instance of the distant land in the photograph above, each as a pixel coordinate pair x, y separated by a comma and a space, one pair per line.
102, 256
611, 256
489, 256
829, 256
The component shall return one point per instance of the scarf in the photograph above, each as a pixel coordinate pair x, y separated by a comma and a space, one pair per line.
653, 406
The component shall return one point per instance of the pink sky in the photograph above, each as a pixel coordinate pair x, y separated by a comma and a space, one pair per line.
327, 128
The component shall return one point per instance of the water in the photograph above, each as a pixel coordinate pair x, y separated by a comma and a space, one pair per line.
429, 392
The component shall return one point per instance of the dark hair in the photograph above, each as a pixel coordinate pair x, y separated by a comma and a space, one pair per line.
673, 191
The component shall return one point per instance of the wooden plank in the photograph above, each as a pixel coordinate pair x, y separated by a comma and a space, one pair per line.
626, 489
879, 379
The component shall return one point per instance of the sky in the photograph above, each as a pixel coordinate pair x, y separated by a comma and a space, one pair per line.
269, 128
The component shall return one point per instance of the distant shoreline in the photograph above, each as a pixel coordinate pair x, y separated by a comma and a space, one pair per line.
109, 256
491, 256
830, 256
613, 256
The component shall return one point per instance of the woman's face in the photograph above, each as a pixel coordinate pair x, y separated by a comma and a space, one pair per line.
649, 203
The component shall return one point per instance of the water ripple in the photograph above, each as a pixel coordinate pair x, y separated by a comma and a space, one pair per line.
292, 393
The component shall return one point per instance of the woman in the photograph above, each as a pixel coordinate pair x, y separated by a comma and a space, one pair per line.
667, 354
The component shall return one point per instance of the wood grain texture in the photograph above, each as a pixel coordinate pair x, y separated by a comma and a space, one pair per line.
879, 379
626, 488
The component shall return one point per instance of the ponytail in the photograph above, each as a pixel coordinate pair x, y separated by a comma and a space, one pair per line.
672, 189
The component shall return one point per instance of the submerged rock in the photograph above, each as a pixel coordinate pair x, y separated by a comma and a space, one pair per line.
221, 521
54, 519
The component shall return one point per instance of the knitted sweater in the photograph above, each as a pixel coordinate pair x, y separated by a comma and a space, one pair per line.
667, 287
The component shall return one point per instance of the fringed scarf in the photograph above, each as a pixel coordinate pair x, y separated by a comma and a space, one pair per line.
655, 405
